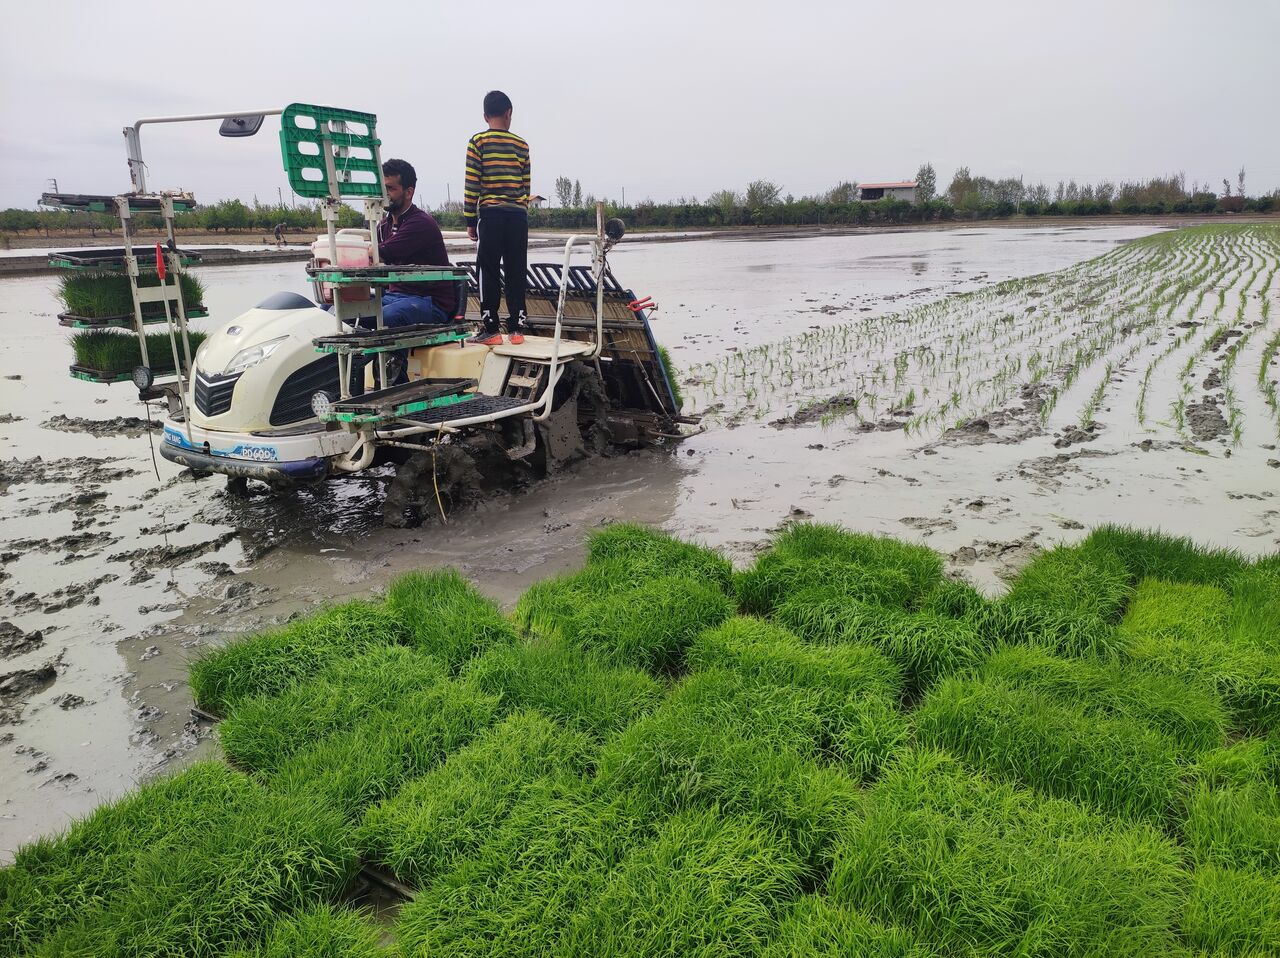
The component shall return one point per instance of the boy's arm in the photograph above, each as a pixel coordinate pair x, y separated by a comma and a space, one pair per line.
471, 187
528, 178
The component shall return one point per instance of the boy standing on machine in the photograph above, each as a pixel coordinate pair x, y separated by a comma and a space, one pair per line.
496, 210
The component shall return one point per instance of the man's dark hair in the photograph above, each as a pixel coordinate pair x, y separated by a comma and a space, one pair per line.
496, 103
402, 169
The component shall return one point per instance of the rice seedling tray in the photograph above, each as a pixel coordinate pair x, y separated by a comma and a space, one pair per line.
85, 374
367, 342
353, 275
419, 396
112, 260
123, 321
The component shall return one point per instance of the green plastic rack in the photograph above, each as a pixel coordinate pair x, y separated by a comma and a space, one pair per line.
306, 131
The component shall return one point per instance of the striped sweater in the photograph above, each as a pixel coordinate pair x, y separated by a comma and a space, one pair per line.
497, 173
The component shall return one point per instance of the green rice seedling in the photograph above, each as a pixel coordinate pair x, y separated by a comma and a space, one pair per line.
646, 554
1232, 912
207, 884
566, 684
443, 614
1181, 630
1255, 609
99, 295
672, 373
1064, 632
1232, 815
769, 654
1075, 580
270, 662
817, 927
518, 895
1153, 554
706, 885
805, 540
956, 600
722, 741
54, 879
1189, 714
856, 685
436, 821
351, 770
262, 732
926, 646
1113, 763
777, 575
116, 351
325, 931
650, 625
971, 866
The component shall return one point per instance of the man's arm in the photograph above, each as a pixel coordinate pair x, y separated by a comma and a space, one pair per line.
471, 187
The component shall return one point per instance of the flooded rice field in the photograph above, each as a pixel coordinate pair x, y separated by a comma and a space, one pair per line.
987, 391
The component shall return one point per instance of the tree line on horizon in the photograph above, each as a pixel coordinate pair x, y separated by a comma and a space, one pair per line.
762, 203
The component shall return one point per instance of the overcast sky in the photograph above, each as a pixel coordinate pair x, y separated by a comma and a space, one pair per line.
662, 99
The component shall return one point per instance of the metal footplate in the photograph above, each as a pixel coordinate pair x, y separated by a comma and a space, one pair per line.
400, 402
383, 275
473, 404
368, 342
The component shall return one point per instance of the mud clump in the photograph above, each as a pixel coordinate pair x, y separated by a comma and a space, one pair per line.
17, 687
1213, 380
1073, 434
839, 405
1205, 419
15, 642
80, 471
119, 426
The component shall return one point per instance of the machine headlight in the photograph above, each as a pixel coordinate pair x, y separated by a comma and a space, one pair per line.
252, 355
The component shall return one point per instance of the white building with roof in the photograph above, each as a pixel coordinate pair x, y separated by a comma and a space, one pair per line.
905, 190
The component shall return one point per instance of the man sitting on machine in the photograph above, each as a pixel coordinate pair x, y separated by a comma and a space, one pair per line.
409, 236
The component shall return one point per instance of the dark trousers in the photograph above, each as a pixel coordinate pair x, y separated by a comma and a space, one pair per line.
504, 239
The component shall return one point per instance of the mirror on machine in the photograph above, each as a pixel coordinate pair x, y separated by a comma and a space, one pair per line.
614, 229
241, 125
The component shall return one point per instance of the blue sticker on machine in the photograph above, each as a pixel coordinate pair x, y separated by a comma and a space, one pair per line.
254, 452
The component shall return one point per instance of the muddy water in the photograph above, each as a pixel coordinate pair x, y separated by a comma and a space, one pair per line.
117, 570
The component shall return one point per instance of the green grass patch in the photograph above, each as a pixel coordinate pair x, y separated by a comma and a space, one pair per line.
723, 740
99, 295
1184, 630
351, 770
1114, 763
925, 645
974, 866
518, 895
1233, 810
192, 865
642, 554
1191, 715
816, 927
853, 565
324, 931
270, 662
442, 613
1233, 912
648, 626
262, 733
116, 351
1088, 583
571, 686
1255, 609
707, 885
446, 816
1156, 555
